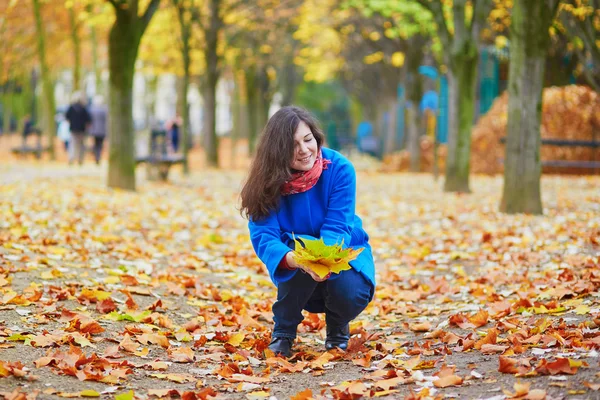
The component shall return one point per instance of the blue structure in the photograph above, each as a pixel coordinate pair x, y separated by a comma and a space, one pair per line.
442, 110
400, 116
442, 118
489, 73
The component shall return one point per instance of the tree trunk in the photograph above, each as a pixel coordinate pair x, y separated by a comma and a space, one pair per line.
185, 27
212, 77
265, 98
529, 45
462, 95
185, 114
76, 49
252, 94
7, 115
123, 45
210, 133
239, 110
96, 66
390, 137
290, 80
412, 140
48, 89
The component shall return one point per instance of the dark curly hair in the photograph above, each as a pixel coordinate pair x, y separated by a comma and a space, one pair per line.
271, 168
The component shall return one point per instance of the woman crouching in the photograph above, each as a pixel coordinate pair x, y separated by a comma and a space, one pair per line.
298, 188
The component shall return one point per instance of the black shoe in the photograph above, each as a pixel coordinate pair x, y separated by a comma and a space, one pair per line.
281, 345
337, 337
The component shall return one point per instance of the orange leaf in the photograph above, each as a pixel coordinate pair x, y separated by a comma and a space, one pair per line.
450, 380
493, 348
322, 360
479, 319
304, 395
181, 355
127, 344
560, 366
387, 384
153, 338
106, 306
593, 386
514, 366
420, 327
490, 338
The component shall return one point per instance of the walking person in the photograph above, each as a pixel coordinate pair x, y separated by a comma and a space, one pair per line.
297, 187
174, 130
64, 132
99, 114
79, 120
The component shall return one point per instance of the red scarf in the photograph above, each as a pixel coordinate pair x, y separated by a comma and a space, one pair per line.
305, 180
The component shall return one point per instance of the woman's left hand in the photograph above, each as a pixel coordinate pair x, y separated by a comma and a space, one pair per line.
289, 258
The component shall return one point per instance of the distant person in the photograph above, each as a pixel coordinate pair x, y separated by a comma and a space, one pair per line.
79, 120
30, 128
174, 132
99, 113
64, 132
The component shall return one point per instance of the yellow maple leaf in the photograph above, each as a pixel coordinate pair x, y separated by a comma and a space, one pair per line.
323, 259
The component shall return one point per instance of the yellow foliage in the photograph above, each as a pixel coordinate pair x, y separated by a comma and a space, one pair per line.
323, 259
373, 58
398, 59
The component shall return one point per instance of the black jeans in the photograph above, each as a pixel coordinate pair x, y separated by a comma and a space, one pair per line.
342, 299
98, 141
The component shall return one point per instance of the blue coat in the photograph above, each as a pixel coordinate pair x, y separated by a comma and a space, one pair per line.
327, 211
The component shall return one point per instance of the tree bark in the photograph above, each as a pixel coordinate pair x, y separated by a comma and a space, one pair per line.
240, 116
76, 48
390, 136
48, 89
412, 138
529, 44
95, 63
185, 114
462, 94
185, 27
252, 106
123, 44
212, 77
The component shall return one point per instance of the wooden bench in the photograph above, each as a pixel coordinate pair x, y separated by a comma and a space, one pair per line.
593, 164
26, 148
158, 158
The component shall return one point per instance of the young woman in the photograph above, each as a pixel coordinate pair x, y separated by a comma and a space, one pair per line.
297, 187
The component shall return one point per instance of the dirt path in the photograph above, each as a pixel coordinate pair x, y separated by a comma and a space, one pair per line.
176, 257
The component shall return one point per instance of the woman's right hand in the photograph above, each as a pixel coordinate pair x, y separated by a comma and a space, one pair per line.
291, 262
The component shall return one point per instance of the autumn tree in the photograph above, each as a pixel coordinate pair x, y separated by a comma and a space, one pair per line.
18, 55
48, 87
580, 20
459, 35
185, 12
263, 49
530, 39
75, 24
400, 42
124, 39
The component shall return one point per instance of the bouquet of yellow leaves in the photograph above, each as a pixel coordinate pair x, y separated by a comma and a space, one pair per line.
323, 259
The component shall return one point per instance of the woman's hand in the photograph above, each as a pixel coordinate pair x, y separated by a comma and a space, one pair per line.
291, 262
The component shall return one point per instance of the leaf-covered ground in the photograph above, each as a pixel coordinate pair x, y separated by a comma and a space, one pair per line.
158, 293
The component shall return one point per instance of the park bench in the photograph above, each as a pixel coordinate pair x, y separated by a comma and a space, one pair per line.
28, 148
158, 158
575, 164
